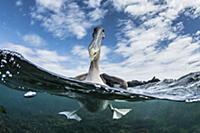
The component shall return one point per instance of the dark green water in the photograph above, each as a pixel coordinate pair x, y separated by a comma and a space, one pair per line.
39, 115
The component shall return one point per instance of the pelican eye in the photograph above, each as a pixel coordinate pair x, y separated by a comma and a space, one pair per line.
95, 30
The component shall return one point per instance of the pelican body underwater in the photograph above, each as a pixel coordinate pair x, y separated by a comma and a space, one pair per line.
93, 76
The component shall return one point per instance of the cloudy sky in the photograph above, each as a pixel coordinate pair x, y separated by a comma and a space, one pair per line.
144, 38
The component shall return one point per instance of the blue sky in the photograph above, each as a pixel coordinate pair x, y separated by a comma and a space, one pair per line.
144, 38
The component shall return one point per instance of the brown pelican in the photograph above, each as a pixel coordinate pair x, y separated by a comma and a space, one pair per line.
93, 76
94, 49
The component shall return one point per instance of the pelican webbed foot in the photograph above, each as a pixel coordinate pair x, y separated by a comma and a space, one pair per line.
119, 113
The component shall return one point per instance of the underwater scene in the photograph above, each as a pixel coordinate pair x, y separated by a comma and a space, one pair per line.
40, 114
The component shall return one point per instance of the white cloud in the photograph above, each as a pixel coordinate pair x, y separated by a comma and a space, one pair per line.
80, 51
64, 23
19, 3
50, 56
121, 4
141, 7
175, 7
169, 8
139, 44
197, 33
36, 55
97, 14
93, 3
33, 39
105, 51
53, 5
67, 18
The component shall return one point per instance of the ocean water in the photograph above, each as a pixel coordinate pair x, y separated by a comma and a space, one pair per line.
169, 106
40, 115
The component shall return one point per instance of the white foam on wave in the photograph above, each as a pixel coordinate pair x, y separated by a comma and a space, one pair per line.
183, 89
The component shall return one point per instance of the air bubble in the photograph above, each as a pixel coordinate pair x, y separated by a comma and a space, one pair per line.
18, 66
10, 75
3, 76
7, 72
3, 61
11, 59
97, 85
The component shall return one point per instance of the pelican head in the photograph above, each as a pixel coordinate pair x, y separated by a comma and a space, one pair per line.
95, 46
